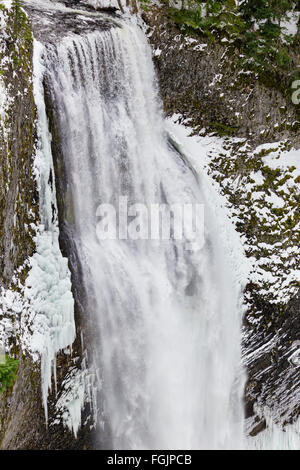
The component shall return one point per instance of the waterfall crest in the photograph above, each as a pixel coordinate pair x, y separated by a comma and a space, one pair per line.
167, 319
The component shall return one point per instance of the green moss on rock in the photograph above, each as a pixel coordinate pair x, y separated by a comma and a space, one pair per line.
18, 194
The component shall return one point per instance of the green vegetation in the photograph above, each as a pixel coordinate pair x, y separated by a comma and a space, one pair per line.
19, 28
272, 231
222, 130
255, 28
265, 9
16, 153
145, 4
8, 371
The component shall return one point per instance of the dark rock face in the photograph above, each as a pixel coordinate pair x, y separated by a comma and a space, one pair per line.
87, 335
21, 413
60, 25
85, 6
18, 193
87, 439
270, 343
49, 25
22, 416
204, 83
271, 357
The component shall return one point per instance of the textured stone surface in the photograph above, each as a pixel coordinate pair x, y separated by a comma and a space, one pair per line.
273, 379
185, 76
22, 417
18, 194
204, 83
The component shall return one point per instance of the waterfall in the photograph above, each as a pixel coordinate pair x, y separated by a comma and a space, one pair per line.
167, 319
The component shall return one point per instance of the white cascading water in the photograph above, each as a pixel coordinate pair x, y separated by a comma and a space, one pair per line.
169, 319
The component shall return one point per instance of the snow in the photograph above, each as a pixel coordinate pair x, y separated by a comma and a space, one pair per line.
102, 3
277, 270
11, 307
5, 99
283, 160
275, 200
276, 278
40, 315
196, 149
258, 178
137, 285
290, 24
77, 390
274, 437
48, 290
200, 47
48, 307
217, 79
48, 285
7, 4
3, 103
59, 5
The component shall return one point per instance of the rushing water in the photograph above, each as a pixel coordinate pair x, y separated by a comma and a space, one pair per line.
167, 319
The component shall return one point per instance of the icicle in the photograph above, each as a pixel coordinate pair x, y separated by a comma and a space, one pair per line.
48, 286
168, 319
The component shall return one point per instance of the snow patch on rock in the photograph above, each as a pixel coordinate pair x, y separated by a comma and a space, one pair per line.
48, 286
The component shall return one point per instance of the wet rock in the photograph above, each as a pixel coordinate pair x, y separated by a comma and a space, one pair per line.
22, 417
203, 82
